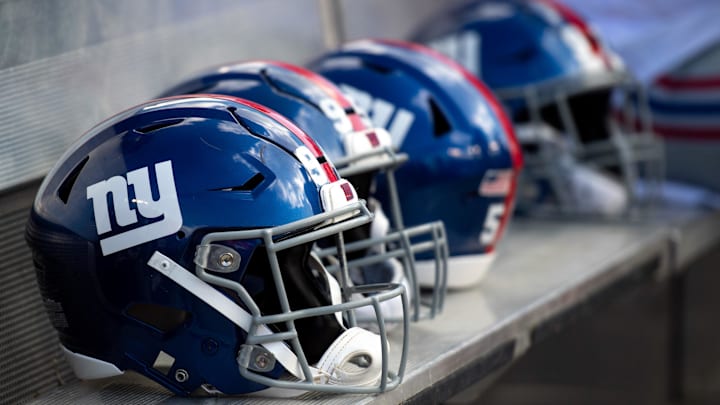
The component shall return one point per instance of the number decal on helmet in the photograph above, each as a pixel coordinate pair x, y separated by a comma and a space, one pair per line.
333, 110
312, 165
491, 226
381, 113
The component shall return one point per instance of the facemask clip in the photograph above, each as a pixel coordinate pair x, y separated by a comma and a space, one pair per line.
256, 358
217, 258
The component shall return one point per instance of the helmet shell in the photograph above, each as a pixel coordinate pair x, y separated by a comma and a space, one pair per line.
463, 155
158, 177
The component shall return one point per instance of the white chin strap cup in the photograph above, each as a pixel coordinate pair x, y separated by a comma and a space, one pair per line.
354, 358
392, 310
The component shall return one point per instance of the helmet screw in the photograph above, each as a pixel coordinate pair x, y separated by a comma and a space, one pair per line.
226, 259
261, 361
210, 346
181, 375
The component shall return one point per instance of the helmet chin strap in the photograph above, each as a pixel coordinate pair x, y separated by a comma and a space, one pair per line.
354, 358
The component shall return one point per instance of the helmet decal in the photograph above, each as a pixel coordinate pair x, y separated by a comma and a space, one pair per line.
166, 206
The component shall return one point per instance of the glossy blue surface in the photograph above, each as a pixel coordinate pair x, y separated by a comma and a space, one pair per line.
518, 44
272, 84
446, 163
515, 42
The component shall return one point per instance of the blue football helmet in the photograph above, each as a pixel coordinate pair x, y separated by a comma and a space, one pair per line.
359, 152
552, 72
174, 240
463, 156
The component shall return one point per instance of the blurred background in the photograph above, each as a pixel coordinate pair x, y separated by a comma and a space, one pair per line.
673, 47
64, 66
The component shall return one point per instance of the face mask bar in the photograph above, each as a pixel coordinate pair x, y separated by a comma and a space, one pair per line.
263, 347
432, 234
631, 145
437, 244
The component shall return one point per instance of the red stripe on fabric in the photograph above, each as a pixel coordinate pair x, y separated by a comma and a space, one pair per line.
703, 82
707, 133
699, 134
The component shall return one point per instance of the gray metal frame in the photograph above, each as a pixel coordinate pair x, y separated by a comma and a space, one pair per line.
421, 308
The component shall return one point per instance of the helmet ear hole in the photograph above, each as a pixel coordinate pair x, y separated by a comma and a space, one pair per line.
164, 319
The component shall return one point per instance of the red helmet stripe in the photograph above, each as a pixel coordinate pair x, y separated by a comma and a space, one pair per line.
328, 87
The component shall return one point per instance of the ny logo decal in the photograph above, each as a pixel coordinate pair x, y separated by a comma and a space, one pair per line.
166, 206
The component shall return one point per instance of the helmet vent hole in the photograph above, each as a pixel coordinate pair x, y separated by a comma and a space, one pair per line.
250, 185
67, 184
164, 319
163, 362
158, 125
441, 125
285, 90
180, 235
377, 68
